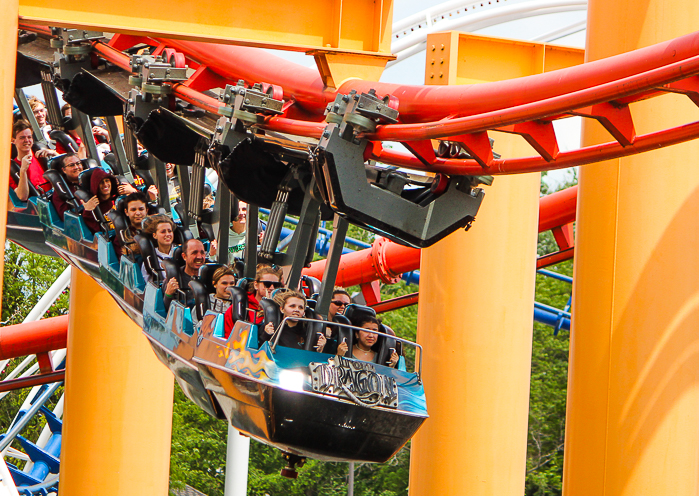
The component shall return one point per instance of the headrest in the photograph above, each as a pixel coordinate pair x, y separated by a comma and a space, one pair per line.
150, 259
201, 299
239, 268
239, 303
89, 163
271, 313
354, 311
310, 285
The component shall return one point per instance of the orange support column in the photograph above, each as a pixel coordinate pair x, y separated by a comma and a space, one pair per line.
118, 402
633, 387
476, 298
8, 42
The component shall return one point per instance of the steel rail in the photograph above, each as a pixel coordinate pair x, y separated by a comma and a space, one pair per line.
581, 156
554, 106
431, 103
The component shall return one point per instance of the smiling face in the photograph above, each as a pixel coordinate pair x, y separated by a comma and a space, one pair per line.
40, 114
222, 286
265, 285
238, 224
105, 188
163, 235
293, 307
338, 305
368, 339
194, 257
136, 212
72, 168
23, 141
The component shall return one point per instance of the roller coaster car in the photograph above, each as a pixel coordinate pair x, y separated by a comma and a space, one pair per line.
303, 402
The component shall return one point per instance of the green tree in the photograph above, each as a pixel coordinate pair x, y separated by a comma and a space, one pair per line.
27, 276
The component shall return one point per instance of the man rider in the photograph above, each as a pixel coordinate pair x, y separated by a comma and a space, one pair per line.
70, 167
194, 255
30, 169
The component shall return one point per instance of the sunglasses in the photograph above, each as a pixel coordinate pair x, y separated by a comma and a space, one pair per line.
271, 284
339, 303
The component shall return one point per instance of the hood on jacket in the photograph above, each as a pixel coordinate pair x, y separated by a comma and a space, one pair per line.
97, 177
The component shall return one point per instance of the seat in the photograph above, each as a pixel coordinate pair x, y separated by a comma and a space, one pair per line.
14, 173
89, 163
383, 346
206, 273
239, 303
238, 268
66, 141
201, 299
354, 311
60, 188
311, 303
310, 285
120, 221
150, 258
181, 235
344, 332
177, 257
313, 329
172, 270
272, 314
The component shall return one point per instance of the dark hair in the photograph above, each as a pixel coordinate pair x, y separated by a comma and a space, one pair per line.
64, 108
365, 318
19, 126
220, 272
59, 162
137, 196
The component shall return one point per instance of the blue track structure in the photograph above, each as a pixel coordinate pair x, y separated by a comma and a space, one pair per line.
46, 460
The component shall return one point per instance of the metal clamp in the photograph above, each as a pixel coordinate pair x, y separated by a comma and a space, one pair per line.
360, 112
245, 103
150, 72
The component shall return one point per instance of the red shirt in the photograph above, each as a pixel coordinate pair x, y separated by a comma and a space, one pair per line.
36, 175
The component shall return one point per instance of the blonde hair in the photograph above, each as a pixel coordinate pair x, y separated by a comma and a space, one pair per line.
151, 223
283, 296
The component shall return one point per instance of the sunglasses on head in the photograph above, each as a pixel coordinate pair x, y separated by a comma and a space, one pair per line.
271, 284
339, 303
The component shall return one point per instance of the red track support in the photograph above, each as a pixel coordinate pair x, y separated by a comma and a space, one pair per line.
33, 338
31, 381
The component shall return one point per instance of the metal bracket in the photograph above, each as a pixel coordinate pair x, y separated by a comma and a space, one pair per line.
386, 205
150, 72
73, 50
246, 103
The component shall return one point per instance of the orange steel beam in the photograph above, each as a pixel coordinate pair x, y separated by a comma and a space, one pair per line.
33, 338
387, 260
362, 28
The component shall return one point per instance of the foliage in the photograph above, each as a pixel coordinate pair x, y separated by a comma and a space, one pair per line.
27, 276
547, 402
198, 450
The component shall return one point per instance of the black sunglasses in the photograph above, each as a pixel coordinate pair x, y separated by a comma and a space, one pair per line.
339, 303
271, 284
